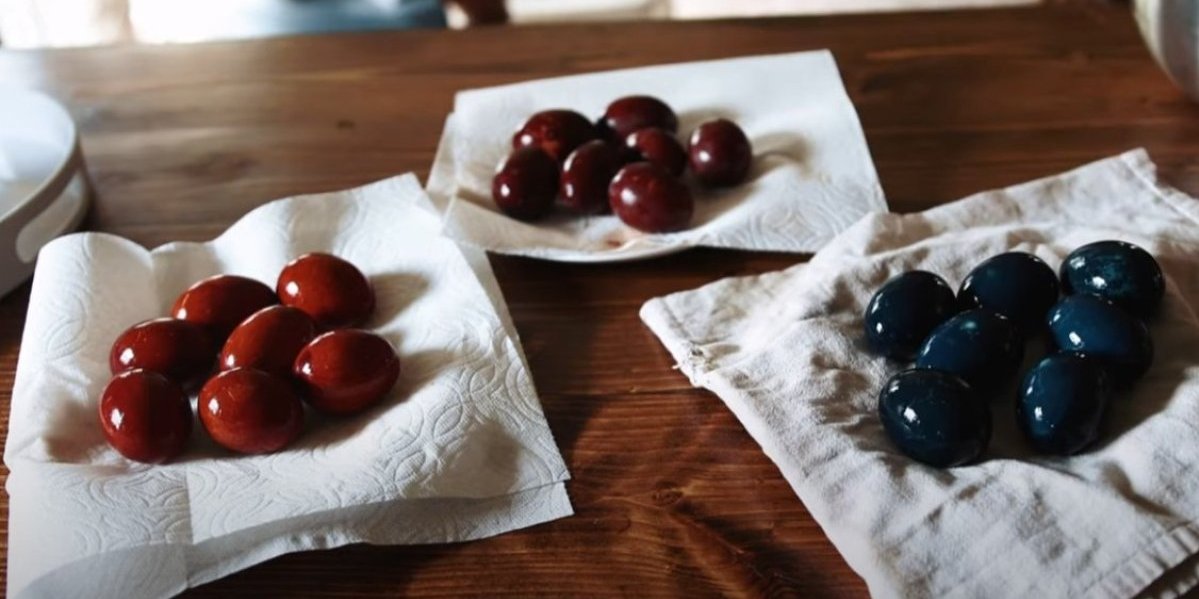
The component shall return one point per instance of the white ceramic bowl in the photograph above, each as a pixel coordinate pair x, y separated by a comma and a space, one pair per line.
44, 190
1171, 29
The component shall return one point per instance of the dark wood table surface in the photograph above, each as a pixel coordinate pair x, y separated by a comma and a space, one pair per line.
672, 496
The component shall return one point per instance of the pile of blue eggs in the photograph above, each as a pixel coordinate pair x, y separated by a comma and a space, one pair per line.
967, 348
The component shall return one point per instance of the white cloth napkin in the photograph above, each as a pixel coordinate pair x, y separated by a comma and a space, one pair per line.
785, 352
812, 177
459, 451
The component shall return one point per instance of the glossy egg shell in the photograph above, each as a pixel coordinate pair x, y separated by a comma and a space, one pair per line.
905, 310
1102, 330
583, 188
525, 185
347, 371
330, 290
220, 303
1120, 272
250, 411
145, 416
660, 147
269, 340
633, 113
1062, 403
556, 132
1017, 285
719, 153
649, 199
177, 349
980, 347
934, 417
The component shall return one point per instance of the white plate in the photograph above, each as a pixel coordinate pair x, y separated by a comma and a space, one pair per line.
43, 190
812, 174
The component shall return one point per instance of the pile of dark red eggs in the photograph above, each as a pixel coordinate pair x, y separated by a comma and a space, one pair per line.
263, 353
968, 348
628, 162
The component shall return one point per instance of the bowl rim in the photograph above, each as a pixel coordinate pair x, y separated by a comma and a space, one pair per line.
69, 164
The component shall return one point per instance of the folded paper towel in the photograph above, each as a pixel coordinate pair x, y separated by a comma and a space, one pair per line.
460, 451
785, 353
812, 176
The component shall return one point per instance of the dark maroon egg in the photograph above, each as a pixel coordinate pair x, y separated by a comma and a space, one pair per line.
345, 372
269, 340
250, 411
145, 416
586, 175
648, 198
177, 349
220, 303
720, 153
633, 113
555, 132
525, 185
331, 291
660, 147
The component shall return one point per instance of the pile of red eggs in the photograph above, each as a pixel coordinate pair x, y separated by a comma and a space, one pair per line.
628, 162
273, 350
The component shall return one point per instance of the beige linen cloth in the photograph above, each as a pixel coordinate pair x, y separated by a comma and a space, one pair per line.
784, 351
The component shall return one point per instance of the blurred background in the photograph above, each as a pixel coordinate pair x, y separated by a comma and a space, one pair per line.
64, 23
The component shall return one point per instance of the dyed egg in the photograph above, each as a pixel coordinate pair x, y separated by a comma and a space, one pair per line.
269, 340
347, 371
250, 411
633, 113
1017, 285
1117, 271
177, 349
981, 347
934, 417
220, 303
145, 416
719, 153
905, 310
330, 290
1062, 403
1100, 329
555, 132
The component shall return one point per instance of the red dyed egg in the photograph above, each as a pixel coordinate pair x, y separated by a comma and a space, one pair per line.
555, 132
250, 411
648, 198
269, 340
220, 303
145, 416
331, 291
177, 349
347, 371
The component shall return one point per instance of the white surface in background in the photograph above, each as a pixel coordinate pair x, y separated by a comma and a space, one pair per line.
702, 9
24, 165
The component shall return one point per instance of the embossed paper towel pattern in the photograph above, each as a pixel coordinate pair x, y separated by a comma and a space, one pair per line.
460, 449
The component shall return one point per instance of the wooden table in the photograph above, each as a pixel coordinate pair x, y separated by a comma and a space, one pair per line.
673, 497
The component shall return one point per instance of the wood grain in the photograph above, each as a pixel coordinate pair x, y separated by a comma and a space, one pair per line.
673, 498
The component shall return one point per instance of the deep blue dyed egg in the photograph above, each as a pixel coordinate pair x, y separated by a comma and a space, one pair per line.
934, 417
1017, 285
981, 347
1062, 403
1118, 271
1100, 329
904, 310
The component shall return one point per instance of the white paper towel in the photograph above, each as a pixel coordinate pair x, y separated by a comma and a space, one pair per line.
812, 174
785, 352
459, 451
